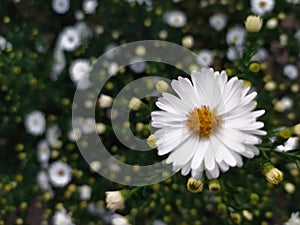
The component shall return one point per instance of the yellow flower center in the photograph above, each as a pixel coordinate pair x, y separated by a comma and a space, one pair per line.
203, 122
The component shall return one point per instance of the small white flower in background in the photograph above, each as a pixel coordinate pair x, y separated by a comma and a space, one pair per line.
119, 220
61, 6
78, 69
290, 144
43, 180
161, 86
236, 36
69, 39
74, 134
261, 7
290, 71
53, 133
218, 21
35, 123
188, 41
95, 166
89, 6
134, 103
101, 128
43, 153
260, 55
59, 63
105, 101
114, 200
61, 217
297, 35
158, 222
85, 192
108, 50
217, 125
272, 23
79, 15
140, 2
294, 219
137, 65
4, 44
234, 52
175, 18
60, 174
83, 29
88, 126
205, 58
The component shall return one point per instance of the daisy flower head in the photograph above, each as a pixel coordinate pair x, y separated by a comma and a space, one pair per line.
218, 21
236, 36
89, 6
209, 126
294, 219
69, 39
60, 174
290, 71
61, 217
175, 18
60, 6
35, 123
205, 58
261, 7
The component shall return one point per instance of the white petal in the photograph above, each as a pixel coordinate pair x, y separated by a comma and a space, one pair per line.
214, 173
199, 154
163, 119
197, 174
223, 166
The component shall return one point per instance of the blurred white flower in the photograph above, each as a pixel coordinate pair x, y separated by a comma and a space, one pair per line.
53, 133
105, 101
260, 55
114, 200
119, 220
43, 180
158, 222
89, 6
234, 52
43, 153
78, 69
294, 219
35, 123
218, 21
61, 217
290, 71
69, 39
137, 64
205, 58
83, 29
217, 126
236, 36
85, 192
74, 134
100, 127
79, 15
140, 2
297, 35
261, 7
88, 126
290, 144
175, 18
60, 6
60, 174
59, 63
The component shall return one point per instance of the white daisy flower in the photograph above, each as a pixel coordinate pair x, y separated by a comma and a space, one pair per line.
291, 71
175, 18
61, 217
137, 65
83, 29
210, 126
290, 144
59, 63
69, 39
105, 101
43, 180
260, 55
43, 152
89, 6
53, 133
294, 219
236, 36
85, 192
234, 52
78, 69
60, 174
88, 126
261, 7
35, 123
117, 219
61, 6
218, 21
74, 134
205, 58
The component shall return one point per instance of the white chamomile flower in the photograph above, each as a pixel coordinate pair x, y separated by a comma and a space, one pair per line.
261, 7
291, 71
294, 219
53, 133
74, 134
205, 58
209, 126
88, 126
218, 21
137, 65
35, 123
43, 152
260, 55
61, 6
117, 219
89, 6
85, 192
78, 69
61, 217
290, 144
236, 36
43, 180
234, 52
83, 29
69, 39
175, 18
60, 174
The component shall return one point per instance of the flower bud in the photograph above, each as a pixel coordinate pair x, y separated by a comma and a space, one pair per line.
253, 23
214, 186
114, 200
161, 86
151, 141
272, 174
194, 185
134, 103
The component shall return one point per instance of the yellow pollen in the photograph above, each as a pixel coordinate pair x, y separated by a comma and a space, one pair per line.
202, 122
